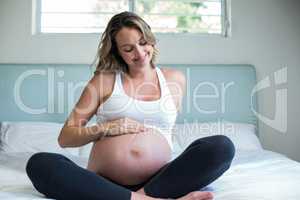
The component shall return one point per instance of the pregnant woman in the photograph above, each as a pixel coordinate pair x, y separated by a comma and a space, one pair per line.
136, 104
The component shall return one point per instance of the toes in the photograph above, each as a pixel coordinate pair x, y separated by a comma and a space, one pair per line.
202, 195
210, 195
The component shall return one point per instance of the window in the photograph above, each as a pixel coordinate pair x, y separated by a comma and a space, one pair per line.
164, 16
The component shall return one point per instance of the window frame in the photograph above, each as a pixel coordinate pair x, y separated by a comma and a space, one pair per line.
225, 22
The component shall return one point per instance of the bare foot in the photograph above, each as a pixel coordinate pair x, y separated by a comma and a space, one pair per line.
195, 195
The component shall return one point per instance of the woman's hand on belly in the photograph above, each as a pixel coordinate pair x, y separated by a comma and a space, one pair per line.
130, 159
122, 126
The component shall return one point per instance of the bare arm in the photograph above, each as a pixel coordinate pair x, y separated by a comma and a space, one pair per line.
176, 82
74, 133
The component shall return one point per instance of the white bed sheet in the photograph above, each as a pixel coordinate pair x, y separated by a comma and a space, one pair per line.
259, 175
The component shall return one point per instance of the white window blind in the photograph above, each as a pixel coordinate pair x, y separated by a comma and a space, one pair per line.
164, 16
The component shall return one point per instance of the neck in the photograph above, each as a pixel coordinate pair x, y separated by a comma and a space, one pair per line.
145, 73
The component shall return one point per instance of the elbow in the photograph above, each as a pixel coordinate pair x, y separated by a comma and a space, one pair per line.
66, 138
61, 140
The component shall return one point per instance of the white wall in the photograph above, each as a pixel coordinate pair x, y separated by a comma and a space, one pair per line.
265, 33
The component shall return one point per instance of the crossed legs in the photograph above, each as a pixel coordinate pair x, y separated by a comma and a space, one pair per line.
202, 162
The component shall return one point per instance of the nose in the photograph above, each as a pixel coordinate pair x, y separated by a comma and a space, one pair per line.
139, 52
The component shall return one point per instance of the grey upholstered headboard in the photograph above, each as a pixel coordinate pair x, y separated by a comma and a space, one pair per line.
42, 92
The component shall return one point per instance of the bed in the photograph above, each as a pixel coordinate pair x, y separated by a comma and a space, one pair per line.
36, 99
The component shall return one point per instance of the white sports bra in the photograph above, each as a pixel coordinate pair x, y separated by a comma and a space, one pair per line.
159, 113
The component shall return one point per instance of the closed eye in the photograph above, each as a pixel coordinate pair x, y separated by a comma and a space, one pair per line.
143, 42
128, 50
128, 47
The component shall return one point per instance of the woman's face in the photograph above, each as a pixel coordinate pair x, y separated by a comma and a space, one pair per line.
133, 48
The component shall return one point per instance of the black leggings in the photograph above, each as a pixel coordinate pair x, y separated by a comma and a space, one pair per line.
202, 162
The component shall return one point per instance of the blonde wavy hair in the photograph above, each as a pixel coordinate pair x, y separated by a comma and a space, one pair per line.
108, 57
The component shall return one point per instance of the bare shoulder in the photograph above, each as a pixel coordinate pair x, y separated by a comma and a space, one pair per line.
98, 88
174, 75
107, 77
103, 82
176, 82
93, 94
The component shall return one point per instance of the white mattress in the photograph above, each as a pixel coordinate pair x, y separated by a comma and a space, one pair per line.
261, 175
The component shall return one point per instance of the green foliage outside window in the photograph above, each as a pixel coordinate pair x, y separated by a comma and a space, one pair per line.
185, 13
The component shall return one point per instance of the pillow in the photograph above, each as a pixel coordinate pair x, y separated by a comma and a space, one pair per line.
242, 135
32, 137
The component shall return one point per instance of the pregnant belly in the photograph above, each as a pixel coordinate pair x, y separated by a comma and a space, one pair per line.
130, 159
